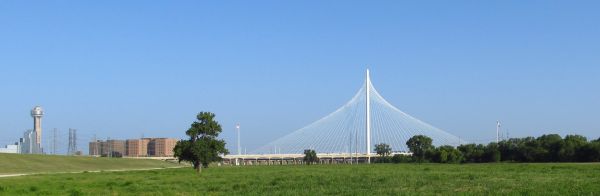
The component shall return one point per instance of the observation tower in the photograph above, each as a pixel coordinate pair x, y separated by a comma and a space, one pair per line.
37, 113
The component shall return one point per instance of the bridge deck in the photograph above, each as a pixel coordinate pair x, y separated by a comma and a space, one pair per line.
292, 159
283, 159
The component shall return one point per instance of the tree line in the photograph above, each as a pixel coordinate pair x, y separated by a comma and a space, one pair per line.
204, 147
546, 148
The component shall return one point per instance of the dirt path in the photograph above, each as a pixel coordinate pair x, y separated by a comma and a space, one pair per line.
80, 172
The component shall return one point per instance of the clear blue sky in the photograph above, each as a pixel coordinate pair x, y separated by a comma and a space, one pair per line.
122, 69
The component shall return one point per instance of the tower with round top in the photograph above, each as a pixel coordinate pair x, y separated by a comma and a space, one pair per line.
37, 112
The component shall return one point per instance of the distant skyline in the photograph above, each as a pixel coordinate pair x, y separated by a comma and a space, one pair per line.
127, 69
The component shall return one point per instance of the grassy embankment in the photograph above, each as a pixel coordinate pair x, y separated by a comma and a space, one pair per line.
442, 179
34, 164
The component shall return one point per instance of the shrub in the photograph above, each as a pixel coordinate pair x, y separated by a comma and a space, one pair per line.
400, 158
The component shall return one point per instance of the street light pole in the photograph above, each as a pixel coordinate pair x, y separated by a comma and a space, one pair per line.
239, 148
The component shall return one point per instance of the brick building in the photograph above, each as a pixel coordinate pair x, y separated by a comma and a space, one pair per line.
95, 148
155, 147
137, 147
116, 148
113, 148
161, 147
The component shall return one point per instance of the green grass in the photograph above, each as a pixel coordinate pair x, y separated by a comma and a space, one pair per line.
28, 164
378, 179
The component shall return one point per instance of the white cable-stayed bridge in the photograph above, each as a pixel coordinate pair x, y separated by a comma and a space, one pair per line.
352, 131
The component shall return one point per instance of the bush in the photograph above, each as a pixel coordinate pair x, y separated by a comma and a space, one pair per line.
400, 158
472, 153
310, 156
445, 154
491, 153
386, 159
589, 152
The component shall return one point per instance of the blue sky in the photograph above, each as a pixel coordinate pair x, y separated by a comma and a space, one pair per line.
122, 69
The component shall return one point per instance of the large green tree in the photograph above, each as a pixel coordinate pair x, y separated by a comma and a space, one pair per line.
590, 152
310, 156
446, 154
472, 153
492, 153
553, 144
419, 145
572, 144
202, 147
383, 150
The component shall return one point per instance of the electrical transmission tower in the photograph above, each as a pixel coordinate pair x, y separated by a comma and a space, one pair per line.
72, 141
54, 141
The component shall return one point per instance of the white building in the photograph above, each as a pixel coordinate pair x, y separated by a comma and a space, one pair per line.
10, 149
29, 144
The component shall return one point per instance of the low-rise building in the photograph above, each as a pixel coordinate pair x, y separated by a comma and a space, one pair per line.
29, 144
11, 149
115, 148
144, 147
162, 147
137, 147
95, 148
112, 148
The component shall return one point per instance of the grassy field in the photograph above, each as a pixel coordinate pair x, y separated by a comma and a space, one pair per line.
380, 179
28, 164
